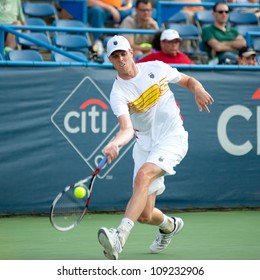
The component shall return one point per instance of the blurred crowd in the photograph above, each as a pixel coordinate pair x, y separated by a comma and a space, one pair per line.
219, 40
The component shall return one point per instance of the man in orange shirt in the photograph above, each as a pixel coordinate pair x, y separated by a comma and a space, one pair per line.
115, 8
101, 12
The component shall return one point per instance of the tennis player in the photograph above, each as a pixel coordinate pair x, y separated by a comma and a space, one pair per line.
145, 107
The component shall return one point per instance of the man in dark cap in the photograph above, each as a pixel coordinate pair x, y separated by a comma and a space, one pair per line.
247, 56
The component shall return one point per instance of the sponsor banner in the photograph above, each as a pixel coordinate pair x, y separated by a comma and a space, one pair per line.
55, 123
86, 121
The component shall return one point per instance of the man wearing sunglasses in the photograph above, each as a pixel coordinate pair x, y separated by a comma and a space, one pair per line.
222, 42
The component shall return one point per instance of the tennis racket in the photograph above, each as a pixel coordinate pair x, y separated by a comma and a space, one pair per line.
67, 209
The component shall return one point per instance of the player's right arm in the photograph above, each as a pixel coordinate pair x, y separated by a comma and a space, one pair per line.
124, 135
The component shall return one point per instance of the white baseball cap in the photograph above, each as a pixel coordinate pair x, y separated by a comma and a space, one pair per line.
117, 43
169, 35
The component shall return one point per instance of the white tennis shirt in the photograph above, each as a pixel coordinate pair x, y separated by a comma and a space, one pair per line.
150, 103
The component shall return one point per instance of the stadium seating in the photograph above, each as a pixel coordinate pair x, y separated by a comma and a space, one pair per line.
209, 1
35, 21
203, 18
39, 36
71, 42
24, 55
45, 11
42, 10
179, 17
244, 28
237, 18
62, 58
256, 45
66, 23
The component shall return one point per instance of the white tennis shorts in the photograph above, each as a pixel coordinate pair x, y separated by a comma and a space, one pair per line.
168, 154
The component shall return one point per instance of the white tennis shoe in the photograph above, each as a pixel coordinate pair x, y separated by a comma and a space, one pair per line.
163, 240
110, 241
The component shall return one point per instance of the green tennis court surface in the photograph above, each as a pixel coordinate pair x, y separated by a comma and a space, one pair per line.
227, 235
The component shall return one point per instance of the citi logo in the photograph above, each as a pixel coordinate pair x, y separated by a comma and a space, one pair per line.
86, 122
247, 116
91, 117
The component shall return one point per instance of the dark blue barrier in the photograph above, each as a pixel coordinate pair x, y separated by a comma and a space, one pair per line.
51, 138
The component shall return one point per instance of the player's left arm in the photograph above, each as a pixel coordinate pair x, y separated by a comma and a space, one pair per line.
202, 97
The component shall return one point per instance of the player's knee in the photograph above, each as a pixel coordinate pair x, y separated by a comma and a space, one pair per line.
144, 218
143, 178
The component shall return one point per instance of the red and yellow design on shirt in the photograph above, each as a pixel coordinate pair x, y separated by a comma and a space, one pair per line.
149, 98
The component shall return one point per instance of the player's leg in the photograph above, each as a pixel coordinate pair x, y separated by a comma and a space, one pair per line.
171, 152
168, 226
149, 170
141, 198
113, 240
167, 229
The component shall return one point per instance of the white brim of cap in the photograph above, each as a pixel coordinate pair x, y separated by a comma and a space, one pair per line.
247, 54
119, 48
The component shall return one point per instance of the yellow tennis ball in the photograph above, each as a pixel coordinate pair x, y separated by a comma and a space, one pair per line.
146, 45
80, 192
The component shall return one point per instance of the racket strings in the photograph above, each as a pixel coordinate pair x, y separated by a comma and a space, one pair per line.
68, 210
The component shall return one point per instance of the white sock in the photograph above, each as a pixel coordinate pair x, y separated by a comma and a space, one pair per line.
124, 229
167, 225
129, 224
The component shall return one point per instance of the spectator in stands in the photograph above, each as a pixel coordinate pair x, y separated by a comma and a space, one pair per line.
246, 9
222, 42
156, 42
190, 10
102, 11
11, 13
169, 53
141, 43
247, 56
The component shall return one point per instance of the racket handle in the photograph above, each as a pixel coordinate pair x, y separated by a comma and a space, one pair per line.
102, 162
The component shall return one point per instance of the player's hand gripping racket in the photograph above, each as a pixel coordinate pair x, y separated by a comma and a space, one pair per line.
70, 205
